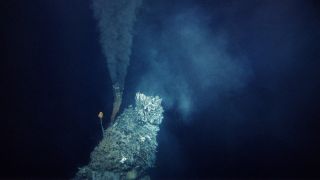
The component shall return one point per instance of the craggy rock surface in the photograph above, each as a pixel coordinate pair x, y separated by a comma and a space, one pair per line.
129, 145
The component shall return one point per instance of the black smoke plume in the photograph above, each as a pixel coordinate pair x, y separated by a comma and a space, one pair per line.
115, 21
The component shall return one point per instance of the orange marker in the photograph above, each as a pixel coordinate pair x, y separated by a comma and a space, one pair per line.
100, 115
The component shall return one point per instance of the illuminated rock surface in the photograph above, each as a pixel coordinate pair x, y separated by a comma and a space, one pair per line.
129, 145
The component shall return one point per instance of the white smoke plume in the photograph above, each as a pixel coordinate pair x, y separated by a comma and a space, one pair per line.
189, 65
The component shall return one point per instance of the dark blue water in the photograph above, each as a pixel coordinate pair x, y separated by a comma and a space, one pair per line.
256, 117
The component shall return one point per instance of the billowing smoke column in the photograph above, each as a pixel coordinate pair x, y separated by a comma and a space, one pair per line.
115, 21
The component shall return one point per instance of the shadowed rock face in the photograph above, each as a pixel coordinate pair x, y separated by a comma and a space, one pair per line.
129, 145
117, 93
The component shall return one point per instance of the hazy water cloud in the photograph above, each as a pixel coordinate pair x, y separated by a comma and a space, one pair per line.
189, 64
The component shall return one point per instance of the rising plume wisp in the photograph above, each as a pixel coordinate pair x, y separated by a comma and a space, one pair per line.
116, 20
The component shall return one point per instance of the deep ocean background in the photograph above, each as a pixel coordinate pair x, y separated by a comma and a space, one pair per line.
55, 81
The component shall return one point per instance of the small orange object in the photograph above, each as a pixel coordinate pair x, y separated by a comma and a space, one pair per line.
100, 115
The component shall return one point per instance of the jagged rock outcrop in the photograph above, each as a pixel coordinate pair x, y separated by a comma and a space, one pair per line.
128, 148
